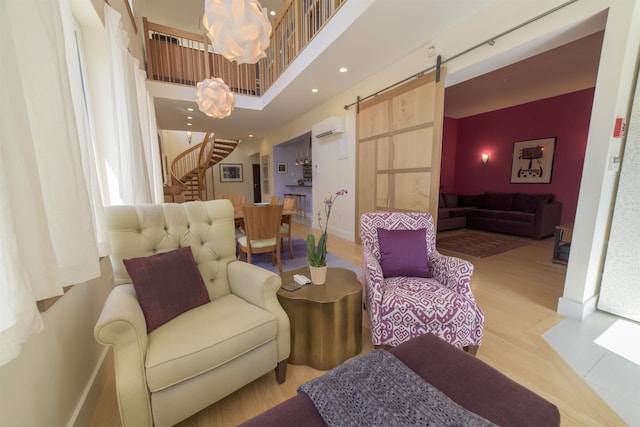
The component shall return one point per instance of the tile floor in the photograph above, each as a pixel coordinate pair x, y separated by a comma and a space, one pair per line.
615, 378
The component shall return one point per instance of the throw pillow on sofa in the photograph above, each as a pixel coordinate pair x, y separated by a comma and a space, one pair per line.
498, 201
450, 200
529, 202
404, 253
166, 284
470, 200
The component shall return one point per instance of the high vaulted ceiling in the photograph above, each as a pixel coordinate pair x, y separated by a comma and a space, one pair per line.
365, 50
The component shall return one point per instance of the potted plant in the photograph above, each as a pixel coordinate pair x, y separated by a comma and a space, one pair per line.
317, 255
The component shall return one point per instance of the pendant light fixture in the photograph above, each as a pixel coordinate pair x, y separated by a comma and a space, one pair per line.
239, 29
297, 154
307, 160
214, 98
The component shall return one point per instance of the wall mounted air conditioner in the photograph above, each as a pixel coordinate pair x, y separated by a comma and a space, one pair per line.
331, 126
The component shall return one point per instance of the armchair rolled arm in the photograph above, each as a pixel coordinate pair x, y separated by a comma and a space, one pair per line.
259, 287
122, 326
547, 217
453, 272
373, 281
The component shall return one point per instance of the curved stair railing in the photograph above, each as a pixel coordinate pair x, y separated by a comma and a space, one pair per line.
188, 169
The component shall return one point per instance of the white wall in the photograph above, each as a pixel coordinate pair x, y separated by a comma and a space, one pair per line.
614, 91
59, 371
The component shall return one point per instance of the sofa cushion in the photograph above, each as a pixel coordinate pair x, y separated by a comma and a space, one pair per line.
450, 200
529, 202
482, 213
470, 200
404, 253
205, 338
515, 216
498, 201
536, 202
458, 212
167, 284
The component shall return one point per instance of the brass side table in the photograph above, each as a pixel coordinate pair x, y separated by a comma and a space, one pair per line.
562, 244
326, 320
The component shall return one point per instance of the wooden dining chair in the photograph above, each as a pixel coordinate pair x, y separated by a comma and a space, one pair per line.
262, 233
238, 201
285, 225
275, 200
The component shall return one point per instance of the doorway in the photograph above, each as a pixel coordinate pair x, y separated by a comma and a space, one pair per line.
257, 190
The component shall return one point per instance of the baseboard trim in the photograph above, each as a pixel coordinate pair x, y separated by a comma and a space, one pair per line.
92, 393
575, 309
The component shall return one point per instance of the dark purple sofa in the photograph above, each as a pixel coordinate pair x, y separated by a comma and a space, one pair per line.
523, 214
467, 380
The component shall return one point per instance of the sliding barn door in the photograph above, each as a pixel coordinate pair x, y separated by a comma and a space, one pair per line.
399, 149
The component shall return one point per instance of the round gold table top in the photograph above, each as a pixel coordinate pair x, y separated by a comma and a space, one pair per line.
340, 282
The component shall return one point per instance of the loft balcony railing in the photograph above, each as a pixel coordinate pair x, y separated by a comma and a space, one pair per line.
181, 57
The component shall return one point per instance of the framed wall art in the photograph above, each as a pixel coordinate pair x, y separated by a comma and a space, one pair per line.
231, 172
281, 167
533, 161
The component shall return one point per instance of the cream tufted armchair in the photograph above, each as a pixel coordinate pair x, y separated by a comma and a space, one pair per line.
208, 352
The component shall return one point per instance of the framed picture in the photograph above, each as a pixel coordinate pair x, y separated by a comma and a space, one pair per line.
281, 167
533, 161
230, 172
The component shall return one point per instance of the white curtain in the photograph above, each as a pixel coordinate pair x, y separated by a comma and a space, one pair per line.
138, 168
47, 237
82, 105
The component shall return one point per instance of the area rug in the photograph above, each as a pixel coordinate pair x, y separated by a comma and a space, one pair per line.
300, 260
478, 244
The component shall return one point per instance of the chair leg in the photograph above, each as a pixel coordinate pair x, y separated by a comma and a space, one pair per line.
291, 248
278, 260
281, 371
471, 349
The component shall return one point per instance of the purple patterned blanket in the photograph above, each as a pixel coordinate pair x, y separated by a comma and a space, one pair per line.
378, 389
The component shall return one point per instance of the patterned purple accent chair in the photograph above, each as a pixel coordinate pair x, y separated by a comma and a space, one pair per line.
400, 308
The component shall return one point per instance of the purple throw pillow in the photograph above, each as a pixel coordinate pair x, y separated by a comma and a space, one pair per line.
167, 284
404, 253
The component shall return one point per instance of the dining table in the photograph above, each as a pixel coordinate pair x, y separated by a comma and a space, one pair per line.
238, 213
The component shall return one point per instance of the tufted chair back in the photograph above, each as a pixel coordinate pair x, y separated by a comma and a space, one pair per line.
370, 223
143, 230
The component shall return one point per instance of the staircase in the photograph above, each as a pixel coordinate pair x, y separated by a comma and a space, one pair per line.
189, 168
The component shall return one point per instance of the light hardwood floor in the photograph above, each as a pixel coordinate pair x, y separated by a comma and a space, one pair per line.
518, 291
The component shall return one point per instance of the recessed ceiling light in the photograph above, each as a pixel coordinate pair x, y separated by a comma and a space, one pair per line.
273, 13
189, 124
189, 118
189, 109
314, 90
250, 135
343, 70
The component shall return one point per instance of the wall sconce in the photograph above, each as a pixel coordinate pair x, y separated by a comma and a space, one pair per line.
189, 135
485, 158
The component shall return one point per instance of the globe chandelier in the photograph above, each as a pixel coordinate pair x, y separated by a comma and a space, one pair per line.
239, 30
214, 98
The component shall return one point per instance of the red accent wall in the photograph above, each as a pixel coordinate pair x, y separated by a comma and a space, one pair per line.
565, 117
448, 165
